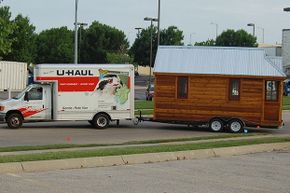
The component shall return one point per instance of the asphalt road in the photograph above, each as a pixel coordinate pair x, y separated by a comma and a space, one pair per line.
256, 173
82, 133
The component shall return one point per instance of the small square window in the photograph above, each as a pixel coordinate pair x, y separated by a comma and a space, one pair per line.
234, 89
182, 87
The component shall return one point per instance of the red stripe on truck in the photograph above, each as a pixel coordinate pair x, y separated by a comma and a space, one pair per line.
73, 84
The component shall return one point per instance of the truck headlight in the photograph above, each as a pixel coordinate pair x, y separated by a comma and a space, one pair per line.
2, 108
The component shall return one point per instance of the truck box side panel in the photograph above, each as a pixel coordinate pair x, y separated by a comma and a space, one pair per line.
83, 91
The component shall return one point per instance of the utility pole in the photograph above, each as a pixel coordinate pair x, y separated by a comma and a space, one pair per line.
76, 32
158, 36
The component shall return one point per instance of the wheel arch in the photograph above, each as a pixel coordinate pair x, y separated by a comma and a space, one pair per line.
104, 113
12, 112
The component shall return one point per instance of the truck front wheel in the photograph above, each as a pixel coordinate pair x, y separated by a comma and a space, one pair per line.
14, 121
101, 121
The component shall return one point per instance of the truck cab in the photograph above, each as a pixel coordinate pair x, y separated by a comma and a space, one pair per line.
32, 104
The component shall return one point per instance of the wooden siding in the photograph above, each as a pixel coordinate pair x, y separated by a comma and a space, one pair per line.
208, 97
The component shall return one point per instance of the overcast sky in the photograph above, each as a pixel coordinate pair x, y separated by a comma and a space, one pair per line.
191, 16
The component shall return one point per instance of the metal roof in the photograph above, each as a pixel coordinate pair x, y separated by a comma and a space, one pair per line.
215, 60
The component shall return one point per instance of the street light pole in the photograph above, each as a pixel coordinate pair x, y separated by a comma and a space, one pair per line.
76, 32
254, 28
190, 43
151, 44
216, 29
80, 39
263, 33
158, 37
138, 29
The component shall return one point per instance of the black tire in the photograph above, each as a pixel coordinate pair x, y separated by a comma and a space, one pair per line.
14, 121
101, 121
91, 122
216, 125
235, 125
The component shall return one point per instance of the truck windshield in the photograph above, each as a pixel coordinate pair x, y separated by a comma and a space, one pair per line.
22, 93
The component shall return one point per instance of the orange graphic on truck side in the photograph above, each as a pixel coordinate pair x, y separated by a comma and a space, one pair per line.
28, 111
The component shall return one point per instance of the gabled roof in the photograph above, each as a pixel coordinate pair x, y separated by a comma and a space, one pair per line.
215, 60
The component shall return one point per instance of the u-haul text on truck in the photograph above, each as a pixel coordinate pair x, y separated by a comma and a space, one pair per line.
97, 93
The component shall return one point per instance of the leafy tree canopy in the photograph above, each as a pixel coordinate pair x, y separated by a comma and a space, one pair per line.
55, 46
6, 29
140, 50
210, 42
100, 39
23, 46
239, 38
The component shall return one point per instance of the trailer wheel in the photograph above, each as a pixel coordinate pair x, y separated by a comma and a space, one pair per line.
216, 125
101, 121
14, 121
235, 125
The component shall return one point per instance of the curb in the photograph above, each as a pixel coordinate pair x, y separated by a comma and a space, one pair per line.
78, 163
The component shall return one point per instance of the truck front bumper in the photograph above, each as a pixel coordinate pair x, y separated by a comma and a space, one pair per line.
2, 117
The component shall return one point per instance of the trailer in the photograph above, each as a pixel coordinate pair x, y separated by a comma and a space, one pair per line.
224, 88
68, 92
13, 76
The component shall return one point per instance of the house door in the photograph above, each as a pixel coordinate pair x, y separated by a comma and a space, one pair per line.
272, 101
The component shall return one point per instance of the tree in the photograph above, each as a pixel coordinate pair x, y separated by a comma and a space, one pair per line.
99, 40
23, 46
171, 36
236, 38
140, 50
209, 42
55, 46
6, 29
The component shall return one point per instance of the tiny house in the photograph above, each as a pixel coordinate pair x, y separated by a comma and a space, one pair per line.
224, 87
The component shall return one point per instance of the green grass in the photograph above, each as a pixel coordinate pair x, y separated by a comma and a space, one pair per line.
146, 107
62, 146
141, 104
286, 103
139, 150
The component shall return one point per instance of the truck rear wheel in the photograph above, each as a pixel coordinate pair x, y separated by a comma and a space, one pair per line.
101, 121
216, 125
14, 121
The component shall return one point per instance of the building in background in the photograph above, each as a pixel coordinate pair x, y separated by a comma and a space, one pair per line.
286, 50
274, 54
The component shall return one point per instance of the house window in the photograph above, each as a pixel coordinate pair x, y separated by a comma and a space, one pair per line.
234, 89
182, 87
272, 90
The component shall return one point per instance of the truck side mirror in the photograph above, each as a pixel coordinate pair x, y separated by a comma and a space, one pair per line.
26, 97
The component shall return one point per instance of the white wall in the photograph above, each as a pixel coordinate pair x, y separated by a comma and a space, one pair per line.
13, 75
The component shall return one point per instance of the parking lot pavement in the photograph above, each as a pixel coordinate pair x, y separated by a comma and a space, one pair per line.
255, 173
81, 132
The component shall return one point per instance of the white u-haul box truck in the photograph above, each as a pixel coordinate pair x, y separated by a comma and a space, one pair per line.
63, 92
